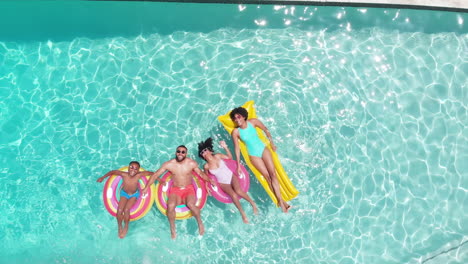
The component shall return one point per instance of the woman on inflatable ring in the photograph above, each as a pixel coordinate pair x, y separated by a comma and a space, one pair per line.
223, 169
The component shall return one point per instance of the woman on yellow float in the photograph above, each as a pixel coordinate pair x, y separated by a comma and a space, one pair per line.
259, 154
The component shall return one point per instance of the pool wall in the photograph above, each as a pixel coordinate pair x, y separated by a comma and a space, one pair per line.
66, 20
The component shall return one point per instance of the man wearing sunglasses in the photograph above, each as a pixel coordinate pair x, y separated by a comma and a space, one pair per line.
181, 191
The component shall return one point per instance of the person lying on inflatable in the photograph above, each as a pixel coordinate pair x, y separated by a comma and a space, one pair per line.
129, 194
227, 178
182, 190
260, 156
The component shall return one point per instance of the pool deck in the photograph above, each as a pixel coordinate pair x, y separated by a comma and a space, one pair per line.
463, 4
452, 5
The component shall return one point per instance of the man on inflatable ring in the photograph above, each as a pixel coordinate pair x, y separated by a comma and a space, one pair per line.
181, 191
128, 194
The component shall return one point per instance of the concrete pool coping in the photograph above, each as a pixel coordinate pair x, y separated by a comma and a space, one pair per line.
444, 5
437, 4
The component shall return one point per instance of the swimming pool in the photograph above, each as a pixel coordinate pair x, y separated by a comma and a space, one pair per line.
368, 108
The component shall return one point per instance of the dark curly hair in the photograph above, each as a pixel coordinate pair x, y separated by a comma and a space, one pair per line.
136, 162
239, 110
207, 144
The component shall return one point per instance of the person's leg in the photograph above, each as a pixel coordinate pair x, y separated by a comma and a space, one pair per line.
270, 165
227, 188
172, 201
120, 213
126, 216
237, 188
266, 167
260, 166
191, 204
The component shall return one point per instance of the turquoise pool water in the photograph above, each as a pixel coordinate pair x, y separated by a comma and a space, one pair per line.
368, 108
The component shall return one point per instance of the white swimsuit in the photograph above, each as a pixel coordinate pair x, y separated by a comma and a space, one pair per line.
223, 173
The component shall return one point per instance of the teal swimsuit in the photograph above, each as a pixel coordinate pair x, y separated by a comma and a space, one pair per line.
125, 194
250, 137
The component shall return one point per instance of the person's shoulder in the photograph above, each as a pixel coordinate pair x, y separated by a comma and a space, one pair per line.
145, 172
191, 162
171, 161
168, 164
220, 156
121, 173
255, 122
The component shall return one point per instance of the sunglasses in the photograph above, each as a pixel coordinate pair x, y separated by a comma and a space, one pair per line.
203, 151
236, 117
181, 151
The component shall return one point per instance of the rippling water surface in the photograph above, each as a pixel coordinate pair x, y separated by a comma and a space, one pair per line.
370, 124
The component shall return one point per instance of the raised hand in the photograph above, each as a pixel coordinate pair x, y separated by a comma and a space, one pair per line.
223, 144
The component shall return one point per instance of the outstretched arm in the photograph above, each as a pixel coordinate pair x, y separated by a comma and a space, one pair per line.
154, 177
205, 170
146, 173
260, 125
112, 172
235, 140
203, 175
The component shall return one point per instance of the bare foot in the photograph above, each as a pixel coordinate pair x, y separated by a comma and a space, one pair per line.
285, 207
173, 233
244, 218
201, 229
120, 231
255, 209
124, 232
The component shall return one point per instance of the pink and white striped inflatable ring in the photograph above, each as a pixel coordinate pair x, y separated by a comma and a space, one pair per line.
111, 196
244, 181
182, 211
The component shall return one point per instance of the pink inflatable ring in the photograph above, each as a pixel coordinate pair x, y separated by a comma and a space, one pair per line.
244, 181
111, 196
